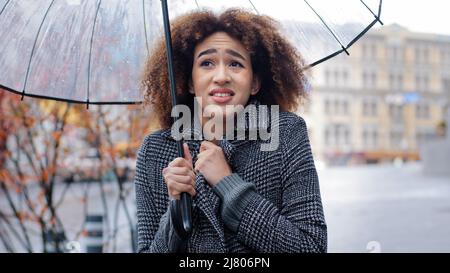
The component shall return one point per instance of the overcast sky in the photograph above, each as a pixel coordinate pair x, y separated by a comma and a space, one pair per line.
418, 15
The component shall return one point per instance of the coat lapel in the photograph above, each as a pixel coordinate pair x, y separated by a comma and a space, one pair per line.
206, 200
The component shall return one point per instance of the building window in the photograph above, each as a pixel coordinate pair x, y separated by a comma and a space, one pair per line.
337, 134
345, 107
446, 84
369, 79
327, 77
364, 51
396, 139
346, 133
336, 106
327, 136
445, 55
396, 112
369, 50
370, 108
396, 81
336, 77
375, 139
370, 137
422, 82
426, 55
327, 107
374, 51
374, 79
345, 78
422, 111
426, 82
395, 54
421, 53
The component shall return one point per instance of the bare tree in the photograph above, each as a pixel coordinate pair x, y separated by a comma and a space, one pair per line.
30, 151
37, 139
116, 133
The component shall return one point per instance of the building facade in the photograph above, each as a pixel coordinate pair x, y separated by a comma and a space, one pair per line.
383, 100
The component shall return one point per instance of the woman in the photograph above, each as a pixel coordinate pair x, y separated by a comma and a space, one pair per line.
244, 199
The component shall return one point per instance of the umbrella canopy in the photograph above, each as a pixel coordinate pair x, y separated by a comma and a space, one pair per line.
94, 51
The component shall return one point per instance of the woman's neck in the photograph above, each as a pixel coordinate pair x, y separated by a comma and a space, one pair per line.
210, 130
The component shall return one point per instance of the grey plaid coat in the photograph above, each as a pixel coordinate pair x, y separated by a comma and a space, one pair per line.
284, 215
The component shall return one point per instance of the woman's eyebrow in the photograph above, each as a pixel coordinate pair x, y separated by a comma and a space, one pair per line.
235, 54
206, 52
229, 51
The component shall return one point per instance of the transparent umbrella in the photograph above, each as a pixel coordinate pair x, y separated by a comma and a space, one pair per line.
93, 52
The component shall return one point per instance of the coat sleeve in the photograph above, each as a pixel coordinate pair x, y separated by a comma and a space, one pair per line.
299, 225
153, 223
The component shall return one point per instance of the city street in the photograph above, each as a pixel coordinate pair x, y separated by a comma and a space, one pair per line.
367, 208
386, 208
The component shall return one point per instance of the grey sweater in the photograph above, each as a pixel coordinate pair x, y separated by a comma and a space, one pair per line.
270, 203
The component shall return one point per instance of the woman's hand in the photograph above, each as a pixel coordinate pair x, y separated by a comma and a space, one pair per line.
211, 163
179, 175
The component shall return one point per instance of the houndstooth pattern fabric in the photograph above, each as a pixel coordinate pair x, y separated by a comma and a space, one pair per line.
285, 215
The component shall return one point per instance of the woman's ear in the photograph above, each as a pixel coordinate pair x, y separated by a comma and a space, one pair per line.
256, 85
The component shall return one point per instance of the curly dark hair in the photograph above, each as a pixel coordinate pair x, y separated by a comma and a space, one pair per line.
274, 60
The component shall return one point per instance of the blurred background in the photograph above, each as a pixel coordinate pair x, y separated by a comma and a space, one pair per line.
379, 128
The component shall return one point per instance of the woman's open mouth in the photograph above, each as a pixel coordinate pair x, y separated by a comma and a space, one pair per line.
221, 95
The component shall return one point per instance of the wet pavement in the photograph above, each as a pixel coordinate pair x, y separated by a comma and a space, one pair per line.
375, 208
384, 208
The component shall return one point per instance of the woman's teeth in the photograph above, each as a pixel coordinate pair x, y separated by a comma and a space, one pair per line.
222, 94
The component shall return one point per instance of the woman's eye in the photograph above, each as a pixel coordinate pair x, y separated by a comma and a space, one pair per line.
206, 63
236, 64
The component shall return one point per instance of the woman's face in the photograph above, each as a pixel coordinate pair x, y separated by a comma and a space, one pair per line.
222, 72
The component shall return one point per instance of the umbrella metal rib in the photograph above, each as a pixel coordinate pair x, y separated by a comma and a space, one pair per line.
379, 10
34, 48
1, 11
328, 28
345, 48
256, 10
362, 33
70, 100
145, 27
90, 54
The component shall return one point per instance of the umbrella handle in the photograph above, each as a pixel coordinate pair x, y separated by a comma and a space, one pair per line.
185, 206
181, 213
180, 210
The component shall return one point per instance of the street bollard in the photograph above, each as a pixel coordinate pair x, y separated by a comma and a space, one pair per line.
93, 240
51, 241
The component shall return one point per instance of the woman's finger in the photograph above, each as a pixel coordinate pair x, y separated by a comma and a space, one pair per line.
180, 162
183, 179
187, 153
177, 189
184, 171
207, 145
198, 165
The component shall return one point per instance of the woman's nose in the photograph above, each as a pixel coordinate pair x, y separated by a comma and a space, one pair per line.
221, 76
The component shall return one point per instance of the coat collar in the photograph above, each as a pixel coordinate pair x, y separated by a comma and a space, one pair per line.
256, 117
